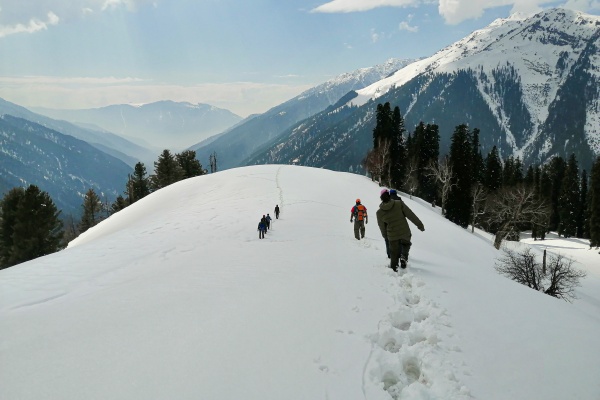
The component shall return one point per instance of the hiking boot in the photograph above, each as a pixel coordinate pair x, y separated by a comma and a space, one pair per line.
402, 263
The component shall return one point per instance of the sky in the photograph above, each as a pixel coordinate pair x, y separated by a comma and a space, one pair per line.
244, 56
176, 297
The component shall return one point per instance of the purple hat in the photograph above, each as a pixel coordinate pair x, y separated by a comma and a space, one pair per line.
382, 192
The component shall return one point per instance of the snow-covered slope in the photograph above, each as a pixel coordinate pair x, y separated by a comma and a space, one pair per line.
175, 297
541, 50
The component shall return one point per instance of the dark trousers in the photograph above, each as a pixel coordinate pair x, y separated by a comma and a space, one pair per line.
398, 249
261, 234
359, 229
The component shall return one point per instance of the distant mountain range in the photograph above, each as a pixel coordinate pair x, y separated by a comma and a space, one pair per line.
103, 140
530, 85
160, 125
234, 146
57, 163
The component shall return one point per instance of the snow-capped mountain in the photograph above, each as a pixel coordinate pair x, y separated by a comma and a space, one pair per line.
161, 125
531, 85
241, 141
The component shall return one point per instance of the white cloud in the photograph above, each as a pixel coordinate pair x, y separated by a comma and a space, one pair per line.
405, 26
375, 36
32, 26
345, 6
583, 5
34, 16
455, 11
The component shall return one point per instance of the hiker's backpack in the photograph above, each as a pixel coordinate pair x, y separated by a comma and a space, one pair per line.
359, 212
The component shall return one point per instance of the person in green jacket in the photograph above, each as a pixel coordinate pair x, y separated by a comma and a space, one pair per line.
392, 218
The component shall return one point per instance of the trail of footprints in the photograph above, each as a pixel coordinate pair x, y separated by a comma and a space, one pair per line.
413, 355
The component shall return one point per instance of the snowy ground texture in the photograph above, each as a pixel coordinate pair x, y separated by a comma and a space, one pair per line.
176, 297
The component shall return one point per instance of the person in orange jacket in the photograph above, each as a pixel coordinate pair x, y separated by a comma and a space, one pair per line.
358, 214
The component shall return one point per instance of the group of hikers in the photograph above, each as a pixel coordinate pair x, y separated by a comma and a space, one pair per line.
392, 217
265, 223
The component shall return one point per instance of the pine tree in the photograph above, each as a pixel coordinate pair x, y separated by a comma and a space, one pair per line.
189, 164
398, 158
8, 209
512, 173
92, 210
569, 199
594, 205
582, 217
493, 170
518, 172
461, 161
119, 204
478, 163
36, 226
166, 171
139, 184
529, 179
556, 172
544, 194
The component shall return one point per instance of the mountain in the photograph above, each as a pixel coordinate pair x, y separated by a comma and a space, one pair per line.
241, 141
152, 304
164, 124
530, 85
107, 142
59, 164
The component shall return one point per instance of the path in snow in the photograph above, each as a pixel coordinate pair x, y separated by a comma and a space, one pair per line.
414, 354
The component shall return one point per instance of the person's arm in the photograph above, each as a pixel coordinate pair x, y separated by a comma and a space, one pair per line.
382, 227
412, 217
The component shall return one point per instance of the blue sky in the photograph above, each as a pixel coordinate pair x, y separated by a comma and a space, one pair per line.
243, 55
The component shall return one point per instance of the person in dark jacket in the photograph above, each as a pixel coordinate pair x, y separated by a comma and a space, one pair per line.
268, 219
262, 228
392, 218
276, 211
264, 222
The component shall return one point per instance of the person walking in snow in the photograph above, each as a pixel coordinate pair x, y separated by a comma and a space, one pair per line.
268, 218
262, 228
358, 214
392, 218
264, 221
394, 195
276, 211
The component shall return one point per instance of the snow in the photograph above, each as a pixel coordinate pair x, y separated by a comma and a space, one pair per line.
175, 297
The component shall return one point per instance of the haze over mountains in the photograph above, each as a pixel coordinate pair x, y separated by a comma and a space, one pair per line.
160, 125
531, 85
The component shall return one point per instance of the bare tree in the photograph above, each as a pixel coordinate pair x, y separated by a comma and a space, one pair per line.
479, 194
442, 173
377, 160
559, 279
213, 162
515, 206
411, 180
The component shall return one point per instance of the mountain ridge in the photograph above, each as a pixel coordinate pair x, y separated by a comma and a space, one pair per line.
515, 80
